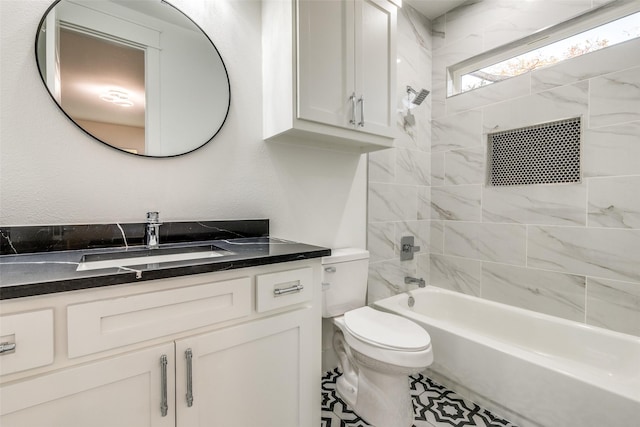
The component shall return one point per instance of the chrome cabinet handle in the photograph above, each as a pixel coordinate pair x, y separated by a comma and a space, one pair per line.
189, 355
7, 347
353, 108
164, 407
361, 101
330, 269
284, 291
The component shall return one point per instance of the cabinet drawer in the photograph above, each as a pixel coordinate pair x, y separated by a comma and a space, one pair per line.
32, 334
277, 290
102, 325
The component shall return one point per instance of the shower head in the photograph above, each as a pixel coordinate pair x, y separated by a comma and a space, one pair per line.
419, 96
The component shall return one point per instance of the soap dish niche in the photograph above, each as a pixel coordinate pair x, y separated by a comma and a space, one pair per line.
547, 153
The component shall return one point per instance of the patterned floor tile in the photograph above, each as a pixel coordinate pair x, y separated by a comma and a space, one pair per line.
419, 384
433, 404
329, 419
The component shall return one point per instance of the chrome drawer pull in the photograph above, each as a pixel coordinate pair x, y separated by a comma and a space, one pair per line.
6, 347
284, 291
189, 355
164, 407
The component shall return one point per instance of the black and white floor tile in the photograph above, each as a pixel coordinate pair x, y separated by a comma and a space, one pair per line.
433, 406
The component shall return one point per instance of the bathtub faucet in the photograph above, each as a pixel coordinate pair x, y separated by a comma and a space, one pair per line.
421, 283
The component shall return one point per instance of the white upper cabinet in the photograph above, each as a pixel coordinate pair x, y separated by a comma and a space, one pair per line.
337, 86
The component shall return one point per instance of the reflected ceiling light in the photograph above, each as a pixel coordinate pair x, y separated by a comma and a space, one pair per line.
117, 97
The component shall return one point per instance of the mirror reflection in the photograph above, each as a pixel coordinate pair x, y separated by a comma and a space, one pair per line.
137, 75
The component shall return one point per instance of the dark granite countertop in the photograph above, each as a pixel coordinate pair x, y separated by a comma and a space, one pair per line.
51, 272
45, 272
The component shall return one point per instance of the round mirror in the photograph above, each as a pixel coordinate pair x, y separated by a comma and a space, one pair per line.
137, 75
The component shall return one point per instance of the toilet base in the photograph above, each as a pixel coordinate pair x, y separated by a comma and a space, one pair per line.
382, 400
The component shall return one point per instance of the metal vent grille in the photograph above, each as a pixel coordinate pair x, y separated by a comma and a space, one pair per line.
548, 153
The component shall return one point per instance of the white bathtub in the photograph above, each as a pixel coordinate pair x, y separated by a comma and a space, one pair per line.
531, 368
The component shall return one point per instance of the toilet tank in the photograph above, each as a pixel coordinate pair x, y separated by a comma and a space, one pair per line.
344, 281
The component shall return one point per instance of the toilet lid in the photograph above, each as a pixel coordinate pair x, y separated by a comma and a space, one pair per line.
386, 329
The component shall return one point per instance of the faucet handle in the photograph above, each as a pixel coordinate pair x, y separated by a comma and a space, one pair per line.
407, 248
153, 217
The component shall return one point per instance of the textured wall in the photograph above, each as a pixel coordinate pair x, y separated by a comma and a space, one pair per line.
52, 173
570, 250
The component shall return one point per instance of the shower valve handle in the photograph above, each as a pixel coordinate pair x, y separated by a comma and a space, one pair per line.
407, 248
410, 248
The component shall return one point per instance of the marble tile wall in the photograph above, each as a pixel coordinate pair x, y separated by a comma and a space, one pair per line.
570, 250
400, 178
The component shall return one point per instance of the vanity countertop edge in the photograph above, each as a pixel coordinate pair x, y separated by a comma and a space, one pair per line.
53, 272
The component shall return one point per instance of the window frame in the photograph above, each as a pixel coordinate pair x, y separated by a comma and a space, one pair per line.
593, 18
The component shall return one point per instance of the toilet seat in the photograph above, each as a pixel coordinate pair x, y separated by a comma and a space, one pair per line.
386, 330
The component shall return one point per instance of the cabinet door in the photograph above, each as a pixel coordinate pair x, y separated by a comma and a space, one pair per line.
375, 38
264, 373
123, 391
326, 61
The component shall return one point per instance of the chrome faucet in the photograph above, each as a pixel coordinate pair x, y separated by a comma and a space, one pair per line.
152, 232
421, 283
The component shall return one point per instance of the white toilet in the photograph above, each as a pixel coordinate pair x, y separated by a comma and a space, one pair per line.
376, 350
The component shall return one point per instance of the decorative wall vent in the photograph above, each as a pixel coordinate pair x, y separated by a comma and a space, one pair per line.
547, 153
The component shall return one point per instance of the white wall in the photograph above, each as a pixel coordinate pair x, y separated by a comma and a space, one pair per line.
52, 173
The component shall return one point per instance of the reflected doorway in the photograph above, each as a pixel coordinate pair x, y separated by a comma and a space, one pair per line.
102, 88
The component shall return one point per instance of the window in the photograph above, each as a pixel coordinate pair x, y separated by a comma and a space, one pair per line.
595, 30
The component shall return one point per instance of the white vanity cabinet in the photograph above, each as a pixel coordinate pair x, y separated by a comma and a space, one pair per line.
242, 376
125, 390
232, 349
329, 72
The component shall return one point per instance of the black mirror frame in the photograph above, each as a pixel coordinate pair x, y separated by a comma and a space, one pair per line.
38, 31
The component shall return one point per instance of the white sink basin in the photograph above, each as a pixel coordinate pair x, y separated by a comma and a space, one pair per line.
147, 256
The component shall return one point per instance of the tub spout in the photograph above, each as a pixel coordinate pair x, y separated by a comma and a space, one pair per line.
420, 281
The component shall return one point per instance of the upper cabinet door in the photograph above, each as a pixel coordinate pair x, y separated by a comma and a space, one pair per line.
329, 73
347, 57
326, 61
375, 39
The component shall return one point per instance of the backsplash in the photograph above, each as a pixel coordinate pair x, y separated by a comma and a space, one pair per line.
569, 250
46, 238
